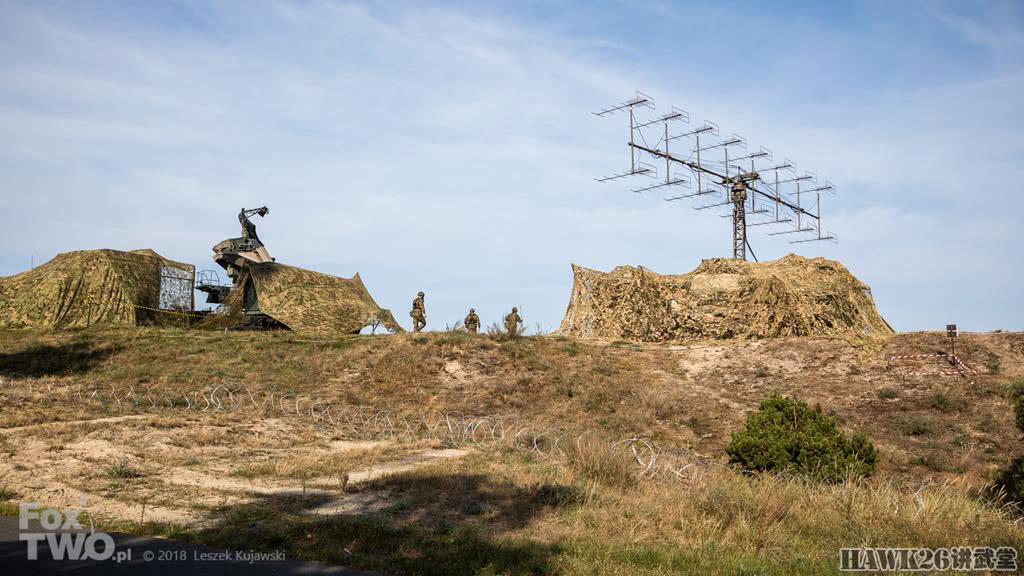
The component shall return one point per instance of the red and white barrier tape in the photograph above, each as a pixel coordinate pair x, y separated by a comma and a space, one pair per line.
954, 360
961, 364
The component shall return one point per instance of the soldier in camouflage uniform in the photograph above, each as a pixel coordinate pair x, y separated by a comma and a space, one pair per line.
472, 321
418, 313
512, 323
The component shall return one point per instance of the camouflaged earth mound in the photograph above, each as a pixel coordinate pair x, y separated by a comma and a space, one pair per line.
86, 287
307, 302
722, 298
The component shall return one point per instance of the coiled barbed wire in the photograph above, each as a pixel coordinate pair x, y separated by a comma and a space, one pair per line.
450, 429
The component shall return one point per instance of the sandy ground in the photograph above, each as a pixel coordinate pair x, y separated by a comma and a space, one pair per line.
186, 468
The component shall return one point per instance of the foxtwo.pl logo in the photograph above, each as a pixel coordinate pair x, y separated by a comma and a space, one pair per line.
64, 536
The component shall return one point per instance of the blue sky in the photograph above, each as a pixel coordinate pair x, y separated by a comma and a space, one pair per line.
450, 148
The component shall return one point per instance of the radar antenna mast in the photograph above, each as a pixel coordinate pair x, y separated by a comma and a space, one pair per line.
757, 192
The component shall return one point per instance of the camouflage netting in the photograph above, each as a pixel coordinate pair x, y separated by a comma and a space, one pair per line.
78, 289
722, 298
305, 301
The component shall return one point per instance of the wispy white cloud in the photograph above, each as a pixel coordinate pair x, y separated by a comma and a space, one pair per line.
997, 28
453, 151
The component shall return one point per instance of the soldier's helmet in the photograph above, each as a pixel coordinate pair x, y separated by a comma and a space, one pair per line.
514, 309
420, 293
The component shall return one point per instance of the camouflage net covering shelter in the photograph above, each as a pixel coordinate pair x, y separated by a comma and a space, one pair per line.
78, 289
305, 301
722, 298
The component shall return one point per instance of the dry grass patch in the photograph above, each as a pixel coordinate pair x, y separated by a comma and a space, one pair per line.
510, 513
787, 523
313, 464
601, 461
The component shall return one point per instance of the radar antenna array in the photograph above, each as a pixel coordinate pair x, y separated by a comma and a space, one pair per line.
762, 193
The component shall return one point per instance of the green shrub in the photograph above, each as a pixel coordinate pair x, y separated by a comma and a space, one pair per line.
1012, 480
919, 426
986, 424
786, 435
888, 393
572, 348
1018, 411
993, 366
122, 470
1014, 389
941, 402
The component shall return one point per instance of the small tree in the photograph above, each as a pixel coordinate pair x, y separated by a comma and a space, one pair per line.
1012, 480
786, 435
